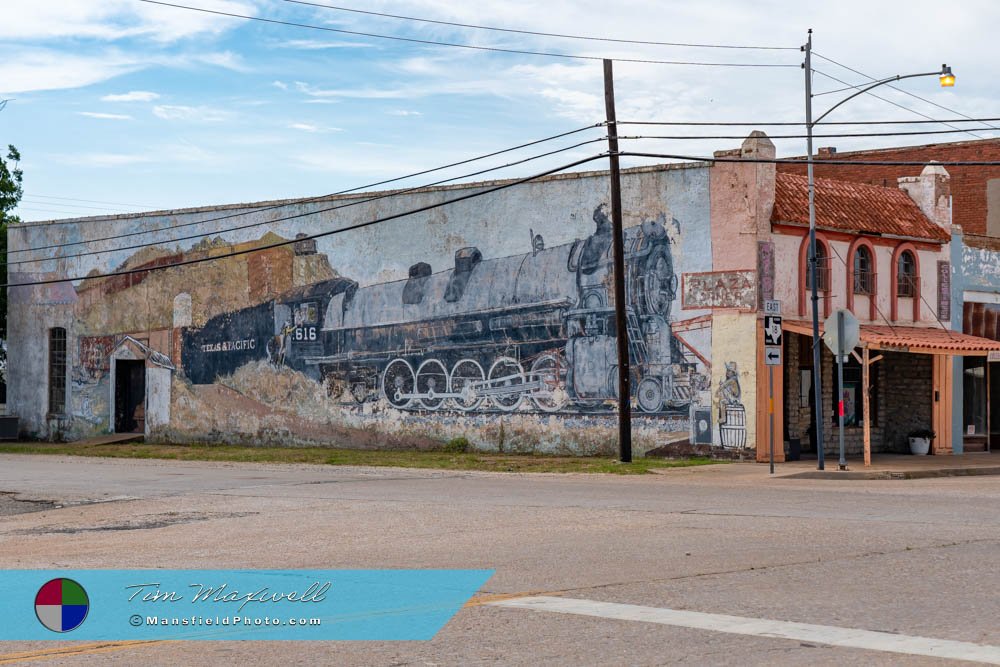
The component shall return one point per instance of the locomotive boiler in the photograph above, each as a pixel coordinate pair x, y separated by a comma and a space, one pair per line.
535, 330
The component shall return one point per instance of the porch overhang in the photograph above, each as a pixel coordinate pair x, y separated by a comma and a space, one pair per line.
918, 340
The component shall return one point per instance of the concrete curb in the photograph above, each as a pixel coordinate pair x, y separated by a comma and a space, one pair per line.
895, 474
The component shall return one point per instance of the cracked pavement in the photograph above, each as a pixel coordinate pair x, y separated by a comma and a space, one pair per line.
916, 557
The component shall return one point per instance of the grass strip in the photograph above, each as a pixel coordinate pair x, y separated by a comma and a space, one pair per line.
353, 457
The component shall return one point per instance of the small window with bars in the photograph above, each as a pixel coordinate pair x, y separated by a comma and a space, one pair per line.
57, 371
906, 275
864, 272
822, 270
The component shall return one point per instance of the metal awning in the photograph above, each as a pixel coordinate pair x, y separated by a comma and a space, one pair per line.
919, 340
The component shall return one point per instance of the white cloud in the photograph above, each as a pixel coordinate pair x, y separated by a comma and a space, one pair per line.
104, 116
318, 45
280, 84
199, 114
35, 69
132, 96
354, 93
404, 112
114, 19
225, 59
308, 127
43, 69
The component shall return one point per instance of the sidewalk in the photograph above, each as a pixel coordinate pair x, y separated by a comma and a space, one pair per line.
894, 466
884, 466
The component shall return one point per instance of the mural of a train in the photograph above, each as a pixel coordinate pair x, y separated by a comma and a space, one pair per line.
534, 331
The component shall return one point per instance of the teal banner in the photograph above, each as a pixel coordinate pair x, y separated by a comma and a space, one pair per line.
367, 605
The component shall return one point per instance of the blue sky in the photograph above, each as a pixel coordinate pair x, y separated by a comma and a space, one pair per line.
134, 106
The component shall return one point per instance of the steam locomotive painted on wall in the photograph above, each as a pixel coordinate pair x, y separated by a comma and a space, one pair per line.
532, 331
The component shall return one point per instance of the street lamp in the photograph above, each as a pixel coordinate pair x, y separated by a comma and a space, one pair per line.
947, 79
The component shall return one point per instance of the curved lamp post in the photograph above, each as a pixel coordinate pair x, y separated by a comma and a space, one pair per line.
947, 80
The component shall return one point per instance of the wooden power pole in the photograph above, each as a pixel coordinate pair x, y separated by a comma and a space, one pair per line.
618, 248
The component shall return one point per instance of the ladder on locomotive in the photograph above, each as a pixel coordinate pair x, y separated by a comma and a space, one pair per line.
636, 341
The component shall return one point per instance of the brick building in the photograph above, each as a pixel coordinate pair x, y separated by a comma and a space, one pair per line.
975, 191
975, 200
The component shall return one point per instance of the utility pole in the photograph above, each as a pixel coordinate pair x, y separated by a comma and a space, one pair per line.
618, 248
817, 361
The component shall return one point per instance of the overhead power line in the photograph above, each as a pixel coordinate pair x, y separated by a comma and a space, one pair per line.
340, 230
414, 40
885, 99
845, 135
943, 121
914, 95
541, 34
930, 308
307, 200
65, 205
824, 161
358, 202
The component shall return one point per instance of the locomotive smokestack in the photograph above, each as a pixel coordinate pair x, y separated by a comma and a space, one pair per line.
466, 259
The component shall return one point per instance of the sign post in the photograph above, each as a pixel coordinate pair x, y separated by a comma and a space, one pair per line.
840, 387
841, 333
772, 358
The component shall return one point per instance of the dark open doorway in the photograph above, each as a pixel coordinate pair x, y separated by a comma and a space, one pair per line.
993, 411
130, 396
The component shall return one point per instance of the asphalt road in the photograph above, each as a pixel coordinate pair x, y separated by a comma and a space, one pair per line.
918, 559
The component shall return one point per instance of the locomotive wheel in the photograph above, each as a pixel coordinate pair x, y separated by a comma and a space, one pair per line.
552, 374
465, 376
506, 372
432, 379
659, 285
398, 379
650, 395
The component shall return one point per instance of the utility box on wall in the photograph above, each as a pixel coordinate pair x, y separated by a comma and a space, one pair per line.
8, 427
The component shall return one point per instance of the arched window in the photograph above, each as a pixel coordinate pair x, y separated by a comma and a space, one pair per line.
822, 274
905, 282
822, 269
864, 272
906, 275
57, 371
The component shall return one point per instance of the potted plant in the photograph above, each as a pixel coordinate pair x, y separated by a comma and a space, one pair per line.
920, 441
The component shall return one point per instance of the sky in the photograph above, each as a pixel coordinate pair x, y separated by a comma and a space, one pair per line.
121, 106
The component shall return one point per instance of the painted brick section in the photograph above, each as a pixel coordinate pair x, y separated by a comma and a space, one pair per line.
969, 185
270, 273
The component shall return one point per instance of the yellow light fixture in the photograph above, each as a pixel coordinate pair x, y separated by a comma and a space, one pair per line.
947, 78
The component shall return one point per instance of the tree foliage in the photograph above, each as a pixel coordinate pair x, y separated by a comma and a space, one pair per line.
10, 196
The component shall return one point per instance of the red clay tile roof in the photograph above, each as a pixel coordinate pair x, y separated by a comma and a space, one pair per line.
852, 207
930, 339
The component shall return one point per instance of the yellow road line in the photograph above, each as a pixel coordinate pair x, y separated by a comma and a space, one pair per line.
76, 649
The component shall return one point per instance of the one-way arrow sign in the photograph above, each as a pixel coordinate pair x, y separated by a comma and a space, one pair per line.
772, 355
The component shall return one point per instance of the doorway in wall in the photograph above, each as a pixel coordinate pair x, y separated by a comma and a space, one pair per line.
993, 410
130, 396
